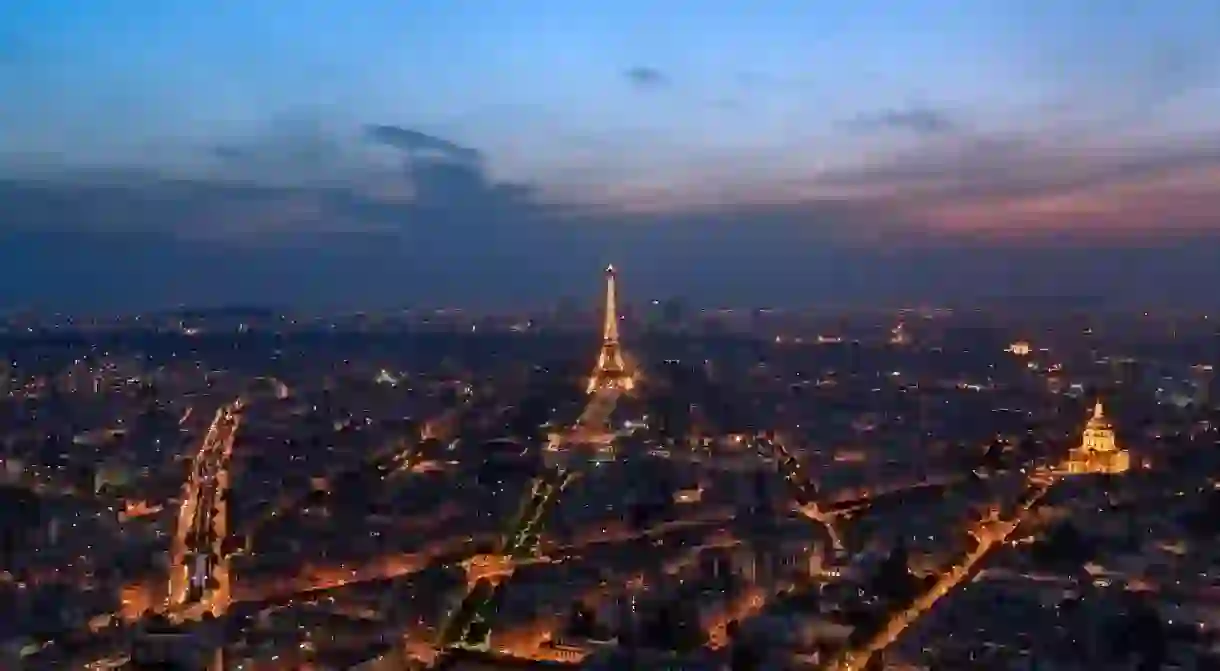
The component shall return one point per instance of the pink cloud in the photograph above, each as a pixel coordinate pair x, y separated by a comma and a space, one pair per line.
1177, 201
961, 187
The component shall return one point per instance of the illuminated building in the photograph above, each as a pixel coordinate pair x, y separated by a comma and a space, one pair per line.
135, 600
610, 379
1019, 348
611, 370
1098, 451
899, 335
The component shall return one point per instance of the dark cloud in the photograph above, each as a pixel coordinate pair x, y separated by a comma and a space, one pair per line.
430, 171
1033, 188
457, 224
190, 209
780, 259
647, 78
918, 120
310, 150
447, 175
227, 152
416, 142
302, 180
1017, 165
465, 238
286, 152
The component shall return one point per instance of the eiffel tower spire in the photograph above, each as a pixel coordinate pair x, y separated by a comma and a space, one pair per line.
610, 322
610, 371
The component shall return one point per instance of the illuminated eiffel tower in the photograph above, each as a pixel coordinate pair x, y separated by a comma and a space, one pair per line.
610, 373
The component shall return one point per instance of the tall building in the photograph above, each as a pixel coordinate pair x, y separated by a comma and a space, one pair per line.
1098, 451
611, 370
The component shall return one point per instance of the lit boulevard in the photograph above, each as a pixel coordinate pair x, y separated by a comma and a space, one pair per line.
989, 533
199, 579
610, 378
486, 572
320, 578
1098, 453
825, 510
747, 605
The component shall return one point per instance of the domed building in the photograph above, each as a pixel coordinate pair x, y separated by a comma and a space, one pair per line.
1098, 451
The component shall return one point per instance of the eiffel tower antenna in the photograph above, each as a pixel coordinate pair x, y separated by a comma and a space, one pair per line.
610, 371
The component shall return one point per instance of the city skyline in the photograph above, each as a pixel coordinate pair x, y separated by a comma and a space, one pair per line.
786, 155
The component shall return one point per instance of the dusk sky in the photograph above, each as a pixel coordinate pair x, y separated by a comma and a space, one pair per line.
497, 153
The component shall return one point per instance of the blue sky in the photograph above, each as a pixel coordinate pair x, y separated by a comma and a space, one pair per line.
533, 85
983, 119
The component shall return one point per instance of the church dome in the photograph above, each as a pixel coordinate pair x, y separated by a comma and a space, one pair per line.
1098, 451
1098, 421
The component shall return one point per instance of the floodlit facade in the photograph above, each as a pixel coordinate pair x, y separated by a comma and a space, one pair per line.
610, 371
1098, 451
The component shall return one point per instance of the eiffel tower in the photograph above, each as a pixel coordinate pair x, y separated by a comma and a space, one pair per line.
610, 371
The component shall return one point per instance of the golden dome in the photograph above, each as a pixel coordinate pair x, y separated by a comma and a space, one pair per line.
1098, 421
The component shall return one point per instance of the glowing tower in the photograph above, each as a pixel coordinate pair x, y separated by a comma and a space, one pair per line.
610, 371
1098, 451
